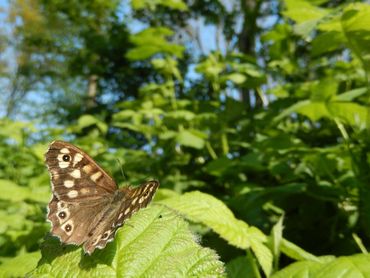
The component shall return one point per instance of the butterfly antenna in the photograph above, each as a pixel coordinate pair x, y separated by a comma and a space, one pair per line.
122, 171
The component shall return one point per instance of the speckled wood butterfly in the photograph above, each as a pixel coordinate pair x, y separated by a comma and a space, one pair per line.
87, 207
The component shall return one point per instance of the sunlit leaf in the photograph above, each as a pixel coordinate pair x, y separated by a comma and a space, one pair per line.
205, 209
152, 41
190, 139
20, 265
156, 242
350, 266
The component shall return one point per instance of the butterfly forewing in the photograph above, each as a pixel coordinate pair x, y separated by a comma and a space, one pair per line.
75, 174
86, 206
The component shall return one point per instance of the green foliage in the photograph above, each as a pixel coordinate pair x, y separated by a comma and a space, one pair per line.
152, 5
350, 266
261, 144
20, 265
155, 242
152, 41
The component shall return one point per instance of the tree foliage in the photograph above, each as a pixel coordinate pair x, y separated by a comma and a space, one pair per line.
253, 115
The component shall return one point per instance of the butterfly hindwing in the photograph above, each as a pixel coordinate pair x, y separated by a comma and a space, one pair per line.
131, 200
71, 221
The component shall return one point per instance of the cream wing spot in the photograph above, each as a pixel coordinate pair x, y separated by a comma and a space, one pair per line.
87, 168
134, 201
69, 183
60, 157
96, 176
142, 199
96, 240
85, 190
61, 205
72, 194
76, 174
63, 164
64, 151
78, 157
64, 160
127, 210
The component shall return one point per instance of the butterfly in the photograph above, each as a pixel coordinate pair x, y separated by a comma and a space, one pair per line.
86, 206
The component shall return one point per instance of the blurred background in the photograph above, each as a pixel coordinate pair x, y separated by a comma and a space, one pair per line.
262, 104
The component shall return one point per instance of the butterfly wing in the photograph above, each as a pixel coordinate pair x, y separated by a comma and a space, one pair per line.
73, 221
82, 192
126, 202
75, 175
86, 206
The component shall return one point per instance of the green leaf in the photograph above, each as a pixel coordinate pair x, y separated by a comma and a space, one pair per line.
152, 41
344, 267
295, 252
304, 269
15, 129
351, 113
20, 265
124, 115
305, 14
351, 95
190, 139
240, 267
90, 120
181, 114
327, 42
204, 208
356, 25
152, 4
263, 255
155, 243
301, 11
277, 237
219, 166
237, 78
15, 193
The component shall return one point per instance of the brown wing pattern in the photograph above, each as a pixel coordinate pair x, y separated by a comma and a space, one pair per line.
74, 175
86, 206
129, 200
72, 221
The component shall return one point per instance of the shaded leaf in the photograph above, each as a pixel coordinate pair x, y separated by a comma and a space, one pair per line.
90, 120
240, 267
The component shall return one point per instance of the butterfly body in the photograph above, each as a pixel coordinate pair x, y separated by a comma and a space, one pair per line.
87, 207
